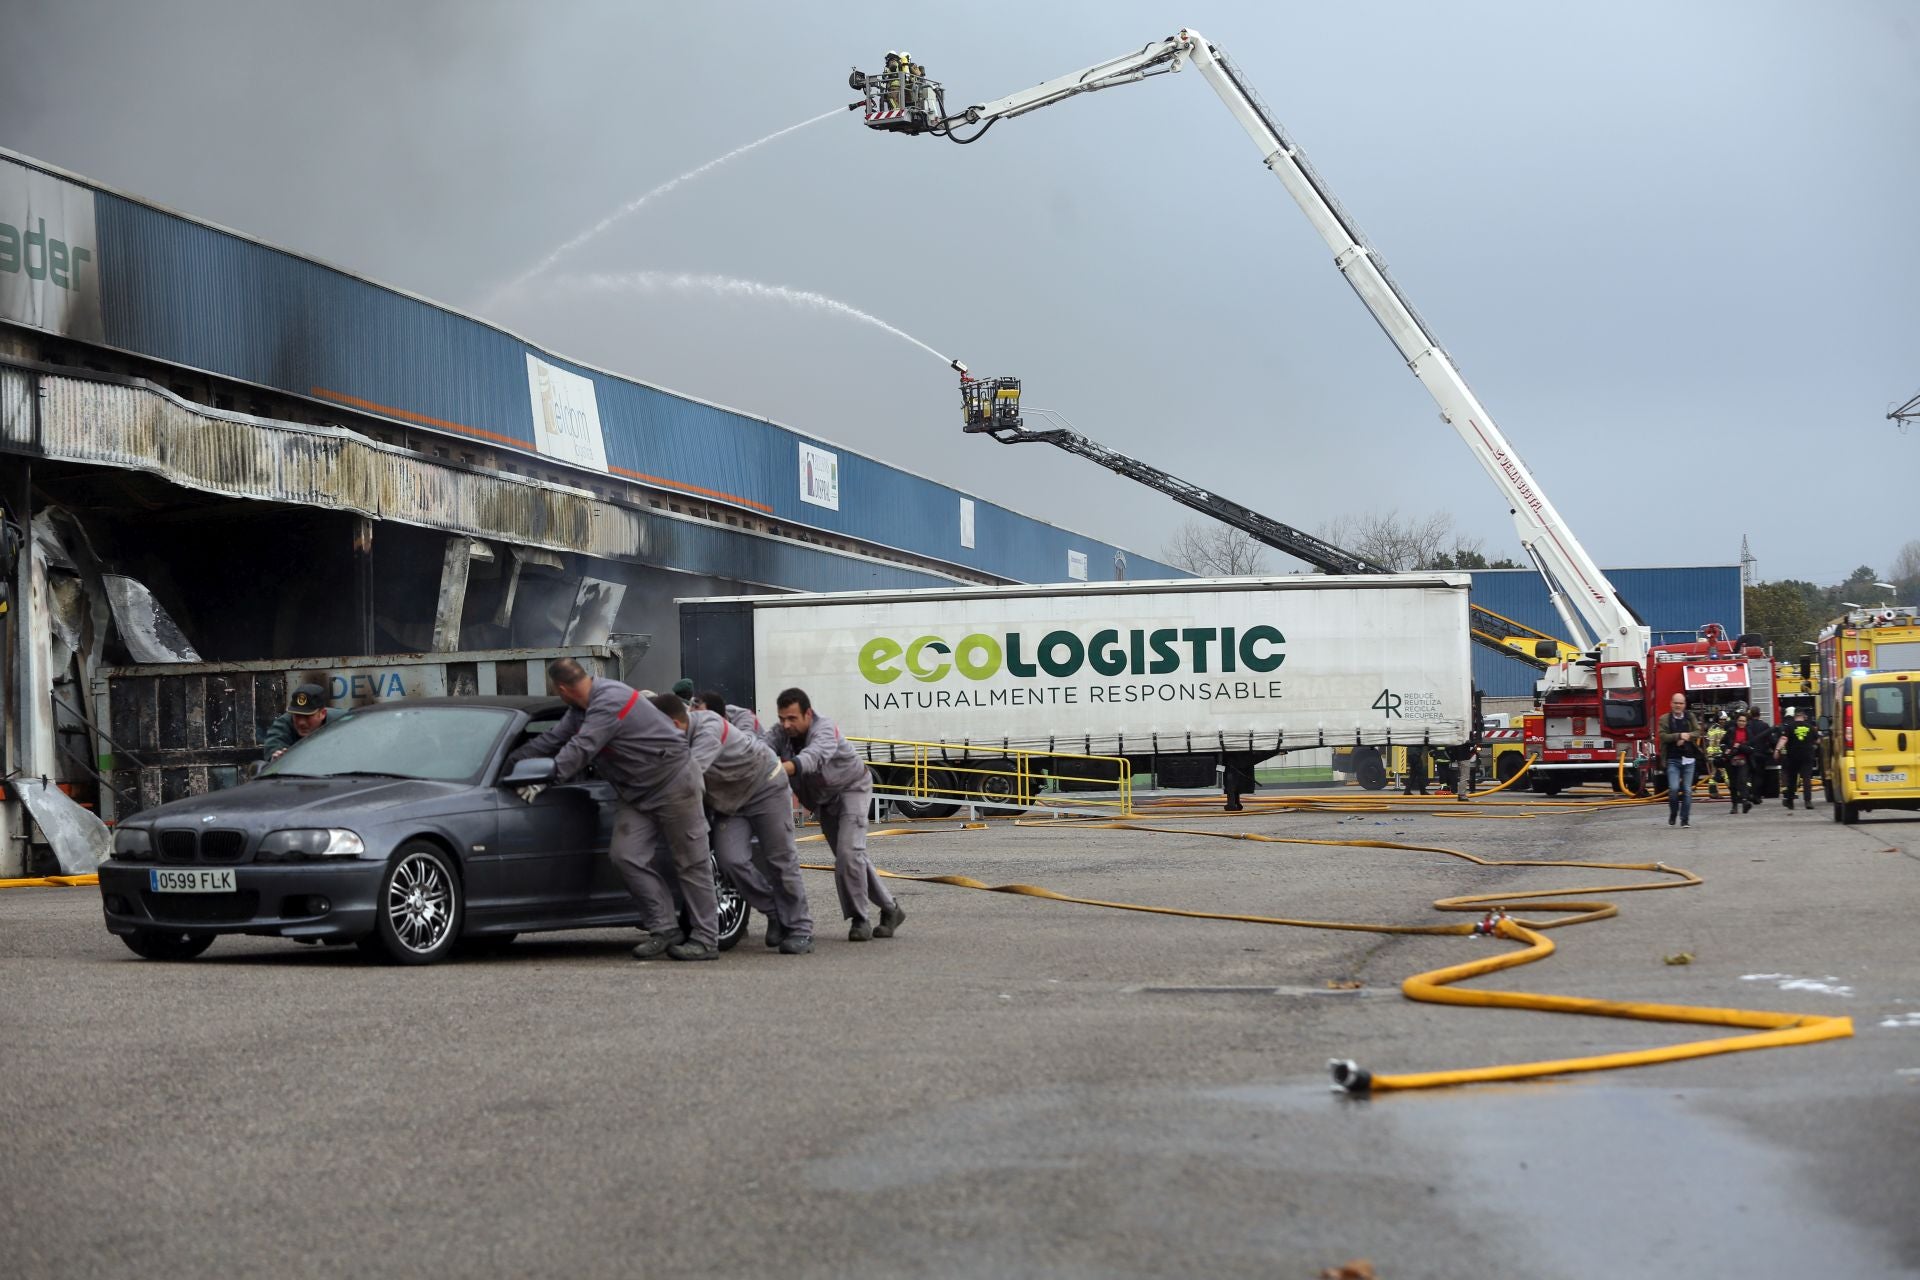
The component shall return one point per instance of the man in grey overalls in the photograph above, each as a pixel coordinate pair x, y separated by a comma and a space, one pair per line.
747, 794
831, 779
631, 745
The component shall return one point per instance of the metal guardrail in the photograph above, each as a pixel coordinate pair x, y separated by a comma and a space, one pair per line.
1000, 778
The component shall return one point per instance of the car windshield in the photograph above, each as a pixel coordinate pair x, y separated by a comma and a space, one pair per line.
442, 744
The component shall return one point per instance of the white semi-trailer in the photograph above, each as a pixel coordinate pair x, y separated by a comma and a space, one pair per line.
1181, 677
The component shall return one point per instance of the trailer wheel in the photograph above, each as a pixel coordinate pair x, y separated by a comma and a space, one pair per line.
1369, 769
940, 784
999, 785
1509, 764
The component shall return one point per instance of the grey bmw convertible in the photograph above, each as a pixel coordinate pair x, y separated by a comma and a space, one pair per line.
396, 828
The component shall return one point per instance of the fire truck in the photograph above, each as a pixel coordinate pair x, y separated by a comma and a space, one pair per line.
1586, 734
1862, 640
1598, 697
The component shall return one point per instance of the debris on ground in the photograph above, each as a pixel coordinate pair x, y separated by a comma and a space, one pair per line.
1680, 957
1358, 1269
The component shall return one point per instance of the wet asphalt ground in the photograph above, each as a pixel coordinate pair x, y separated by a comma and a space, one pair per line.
1011, 1087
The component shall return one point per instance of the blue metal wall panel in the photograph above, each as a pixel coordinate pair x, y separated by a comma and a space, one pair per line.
184, 292
1675, 603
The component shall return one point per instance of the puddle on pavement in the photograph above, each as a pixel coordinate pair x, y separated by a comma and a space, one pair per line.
1588, 1180
1612, 1180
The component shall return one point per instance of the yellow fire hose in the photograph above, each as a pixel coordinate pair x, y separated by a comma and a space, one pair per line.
1771, 1030
49, 882
1775, 1029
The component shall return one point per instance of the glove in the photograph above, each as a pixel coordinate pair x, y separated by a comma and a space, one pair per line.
531, 791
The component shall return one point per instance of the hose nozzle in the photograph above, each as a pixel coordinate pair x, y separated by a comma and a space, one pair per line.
960, 367
1348, 1078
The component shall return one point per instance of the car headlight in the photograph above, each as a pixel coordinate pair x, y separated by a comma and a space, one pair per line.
310, 842
134, 844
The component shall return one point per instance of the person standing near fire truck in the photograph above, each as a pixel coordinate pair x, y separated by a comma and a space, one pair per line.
1680, 744
1716, 746
1798, 747
1745, 750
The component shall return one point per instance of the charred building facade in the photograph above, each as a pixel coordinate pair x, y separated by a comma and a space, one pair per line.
216, 450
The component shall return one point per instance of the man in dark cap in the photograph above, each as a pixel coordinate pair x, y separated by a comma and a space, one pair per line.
683, 689
306, 715
632, 745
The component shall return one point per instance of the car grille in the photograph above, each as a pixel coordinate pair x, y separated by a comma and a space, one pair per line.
223, 846
184, 844
202, 908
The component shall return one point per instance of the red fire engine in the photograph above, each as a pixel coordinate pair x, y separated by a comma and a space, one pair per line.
1582, 734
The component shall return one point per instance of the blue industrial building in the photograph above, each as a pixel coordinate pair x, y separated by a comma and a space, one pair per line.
166, 287
1675, 603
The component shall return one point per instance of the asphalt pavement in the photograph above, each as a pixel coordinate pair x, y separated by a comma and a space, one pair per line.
1010, 1087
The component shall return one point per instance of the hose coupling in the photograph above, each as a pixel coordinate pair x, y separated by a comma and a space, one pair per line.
1349, 1079
1490, 925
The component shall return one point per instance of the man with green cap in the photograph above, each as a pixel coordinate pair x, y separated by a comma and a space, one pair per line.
683, 689
306, 715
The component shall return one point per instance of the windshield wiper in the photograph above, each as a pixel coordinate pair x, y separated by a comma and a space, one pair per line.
372, 773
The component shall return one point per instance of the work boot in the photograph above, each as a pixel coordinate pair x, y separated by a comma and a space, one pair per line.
891, 918
860, 932
692, 951
796, 944
776, 932
657, 944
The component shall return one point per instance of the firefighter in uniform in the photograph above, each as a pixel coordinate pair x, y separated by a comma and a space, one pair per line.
1716, 735
1798, 749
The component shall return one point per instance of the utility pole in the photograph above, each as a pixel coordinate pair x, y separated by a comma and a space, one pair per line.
1746, 562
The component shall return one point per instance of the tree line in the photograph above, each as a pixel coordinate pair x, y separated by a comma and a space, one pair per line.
1790, 612
1400, 544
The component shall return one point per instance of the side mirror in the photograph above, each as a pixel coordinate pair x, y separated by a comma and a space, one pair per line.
536, 770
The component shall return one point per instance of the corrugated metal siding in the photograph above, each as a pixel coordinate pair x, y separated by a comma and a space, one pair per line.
16, 408
1673, 602
184, 292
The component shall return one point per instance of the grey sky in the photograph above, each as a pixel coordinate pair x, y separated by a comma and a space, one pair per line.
1671, 245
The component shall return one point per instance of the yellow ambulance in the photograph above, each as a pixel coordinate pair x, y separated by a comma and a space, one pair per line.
1876, 744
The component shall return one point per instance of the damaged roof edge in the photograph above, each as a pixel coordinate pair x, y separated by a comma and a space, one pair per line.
134, 424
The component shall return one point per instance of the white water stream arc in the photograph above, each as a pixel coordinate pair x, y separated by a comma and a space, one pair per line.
633, 206
660, 282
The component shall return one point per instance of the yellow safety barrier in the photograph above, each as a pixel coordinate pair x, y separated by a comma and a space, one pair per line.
999, 777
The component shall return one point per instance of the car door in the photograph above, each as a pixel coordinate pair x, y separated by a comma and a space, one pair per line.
541, 866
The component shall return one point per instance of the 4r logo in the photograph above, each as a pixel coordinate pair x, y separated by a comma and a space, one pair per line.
1388, 703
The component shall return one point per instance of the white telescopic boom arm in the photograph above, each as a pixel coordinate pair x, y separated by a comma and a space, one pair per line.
1588, 605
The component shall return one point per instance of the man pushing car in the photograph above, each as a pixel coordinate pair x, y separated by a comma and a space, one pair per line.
644, 756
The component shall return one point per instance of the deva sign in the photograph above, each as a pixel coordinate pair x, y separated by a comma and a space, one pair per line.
1062, 653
